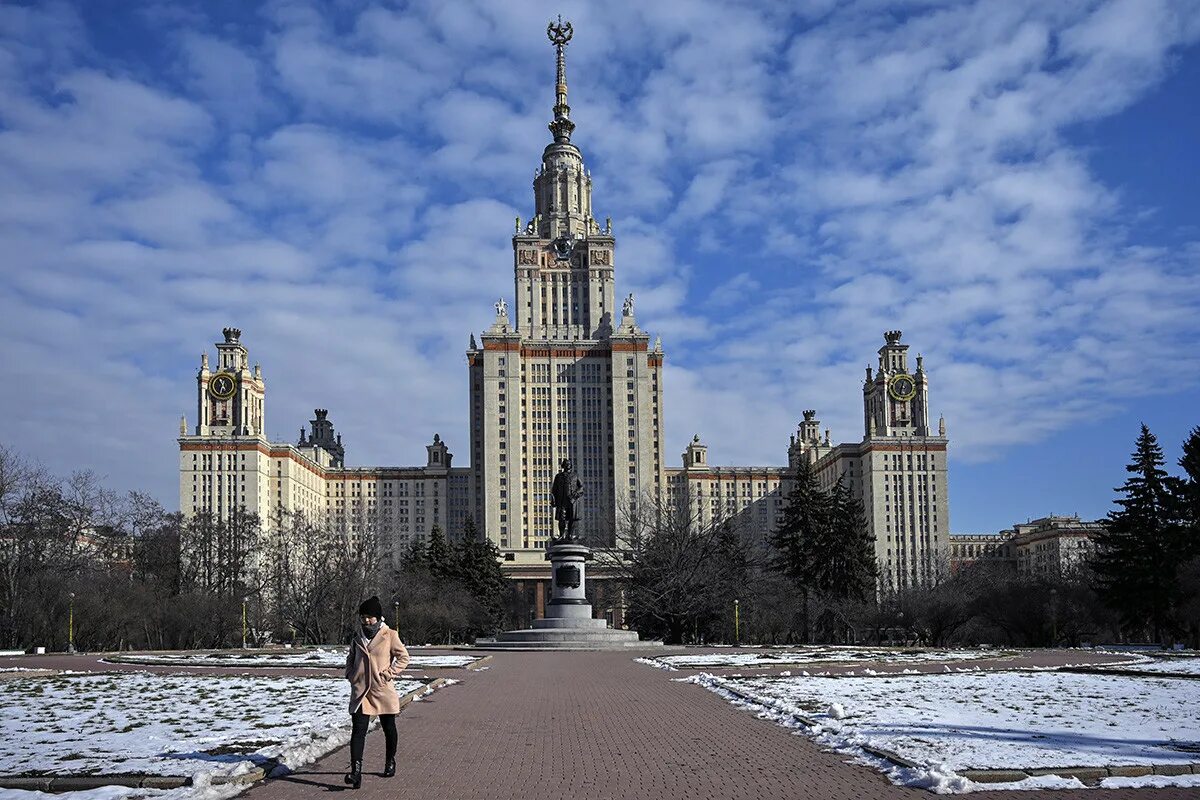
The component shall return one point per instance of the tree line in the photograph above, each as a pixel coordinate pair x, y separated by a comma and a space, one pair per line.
130, 575
143, 578
813, 576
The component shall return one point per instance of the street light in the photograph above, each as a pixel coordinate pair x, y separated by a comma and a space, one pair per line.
71, 624
396, 616
245, 601
737, 632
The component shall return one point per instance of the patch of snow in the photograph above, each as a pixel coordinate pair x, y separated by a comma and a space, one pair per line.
169, 724
1014, 720
805, 655
1178, 665
656, 663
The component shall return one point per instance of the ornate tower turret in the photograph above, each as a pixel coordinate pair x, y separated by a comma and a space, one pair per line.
230, 400
896, 403
563, 260
562, 186
323, 437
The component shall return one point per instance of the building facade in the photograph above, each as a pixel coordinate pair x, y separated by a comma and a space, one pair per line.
227, 466
566, 373
898, 471
1047, 547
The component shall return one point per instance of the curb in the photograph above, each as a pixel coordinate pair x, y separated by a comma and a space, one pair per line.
1084, 774
73, 783
474, 665
28, 673
251, 667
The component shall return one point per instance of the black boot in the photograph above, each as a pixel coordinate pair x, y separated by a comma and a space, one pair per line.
389, 768
354, 776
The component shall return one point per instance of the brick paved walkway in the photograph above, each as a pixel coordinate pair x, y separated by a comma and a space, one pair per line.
598, 725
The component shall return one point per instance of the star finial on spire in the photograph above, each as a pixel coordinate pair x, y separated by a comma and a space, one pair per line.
559, 34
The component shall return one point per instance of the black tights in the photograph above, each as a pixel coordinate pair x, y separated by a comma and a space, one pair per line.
358, 736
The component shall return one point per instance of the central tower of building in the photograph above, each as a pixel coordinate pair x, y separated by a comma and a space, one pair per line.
567, 374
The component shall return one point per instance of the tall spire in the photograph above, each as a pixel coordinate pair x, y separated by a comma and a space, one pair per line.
560, 33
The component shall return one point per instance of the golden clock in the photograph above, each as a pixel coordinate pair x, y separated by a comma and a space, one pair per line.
902, 387
222, 386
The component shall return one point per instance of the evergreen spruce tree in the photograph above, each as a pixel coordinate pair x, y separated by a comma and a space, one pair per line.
847, 567
1136, 561
415, 558
480, 571
1186, 491
1187, 498
438, 554
801, 534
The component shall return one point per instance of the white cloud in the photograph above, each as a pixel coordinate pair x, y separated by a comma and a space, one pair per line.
786, 183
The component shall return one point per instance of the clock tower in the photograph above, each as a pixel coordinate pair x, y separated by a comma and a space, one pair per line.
895, 401
231, 399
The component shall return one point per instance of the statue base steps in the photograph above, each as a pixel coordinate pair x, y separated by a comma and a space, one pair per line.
553, 637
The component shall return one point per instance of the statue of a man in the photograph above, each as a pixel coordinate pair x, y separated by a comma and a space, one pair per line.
566, 489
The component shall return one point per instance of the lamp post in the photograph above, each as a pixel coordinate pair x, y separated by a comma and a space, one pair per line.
737, 628
396, 616
245, 602
71, 624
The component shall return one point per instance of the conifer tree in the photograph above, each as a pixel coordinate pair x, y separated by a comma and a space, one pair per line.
800, 535
438, 555
414, 557
845, 567
479, 570
1186, 491
1136, 555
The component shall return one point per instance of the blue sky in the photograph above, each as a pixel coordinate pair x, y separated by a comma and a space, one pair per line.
1010, 183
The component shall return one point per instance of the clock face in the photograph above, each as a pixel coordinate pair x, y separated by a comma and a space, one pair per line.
222, 386
902, 387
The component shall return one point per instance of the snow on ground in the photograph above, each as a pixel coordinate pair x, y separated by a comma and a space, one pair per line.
817, 655
1013, 720
104, 723
1177, 665
319, 658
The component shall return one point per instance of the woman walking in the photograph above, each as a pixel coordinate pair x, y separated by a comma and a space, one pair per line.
376, 658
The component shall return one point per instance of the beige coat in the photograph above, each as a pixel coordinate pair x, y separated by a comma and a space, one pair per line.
371, 670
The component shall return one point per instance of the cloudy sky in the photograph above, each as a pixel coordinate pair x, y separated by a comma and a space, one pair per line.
1010, 183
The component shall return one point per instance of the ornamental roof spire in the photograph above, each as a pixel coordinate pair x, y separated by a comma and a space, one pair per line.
560, 34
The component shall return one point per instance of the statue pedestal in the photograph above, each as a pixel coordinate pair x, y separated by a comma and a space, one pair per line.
568, 606
568, 624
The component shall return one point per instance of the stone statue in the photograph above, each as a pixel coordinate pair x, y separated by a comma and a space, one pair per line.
627, 308
501, 308
566, 489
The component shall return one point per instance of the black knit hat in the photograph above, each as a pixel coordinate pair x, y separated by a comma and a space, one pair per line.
371, 607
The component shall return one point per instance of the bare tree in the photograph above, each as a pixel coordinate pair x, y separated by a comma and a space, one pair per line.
680, 575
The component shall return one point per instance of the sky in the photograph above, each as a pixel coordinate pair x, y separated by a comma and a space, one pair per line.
1011, 183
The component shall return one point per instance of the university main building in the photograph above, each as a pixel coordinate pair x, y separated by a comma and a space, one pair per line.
564, 372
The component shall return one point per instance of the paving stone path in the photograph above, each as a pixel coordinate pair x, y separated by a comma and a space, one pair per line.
588, 726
